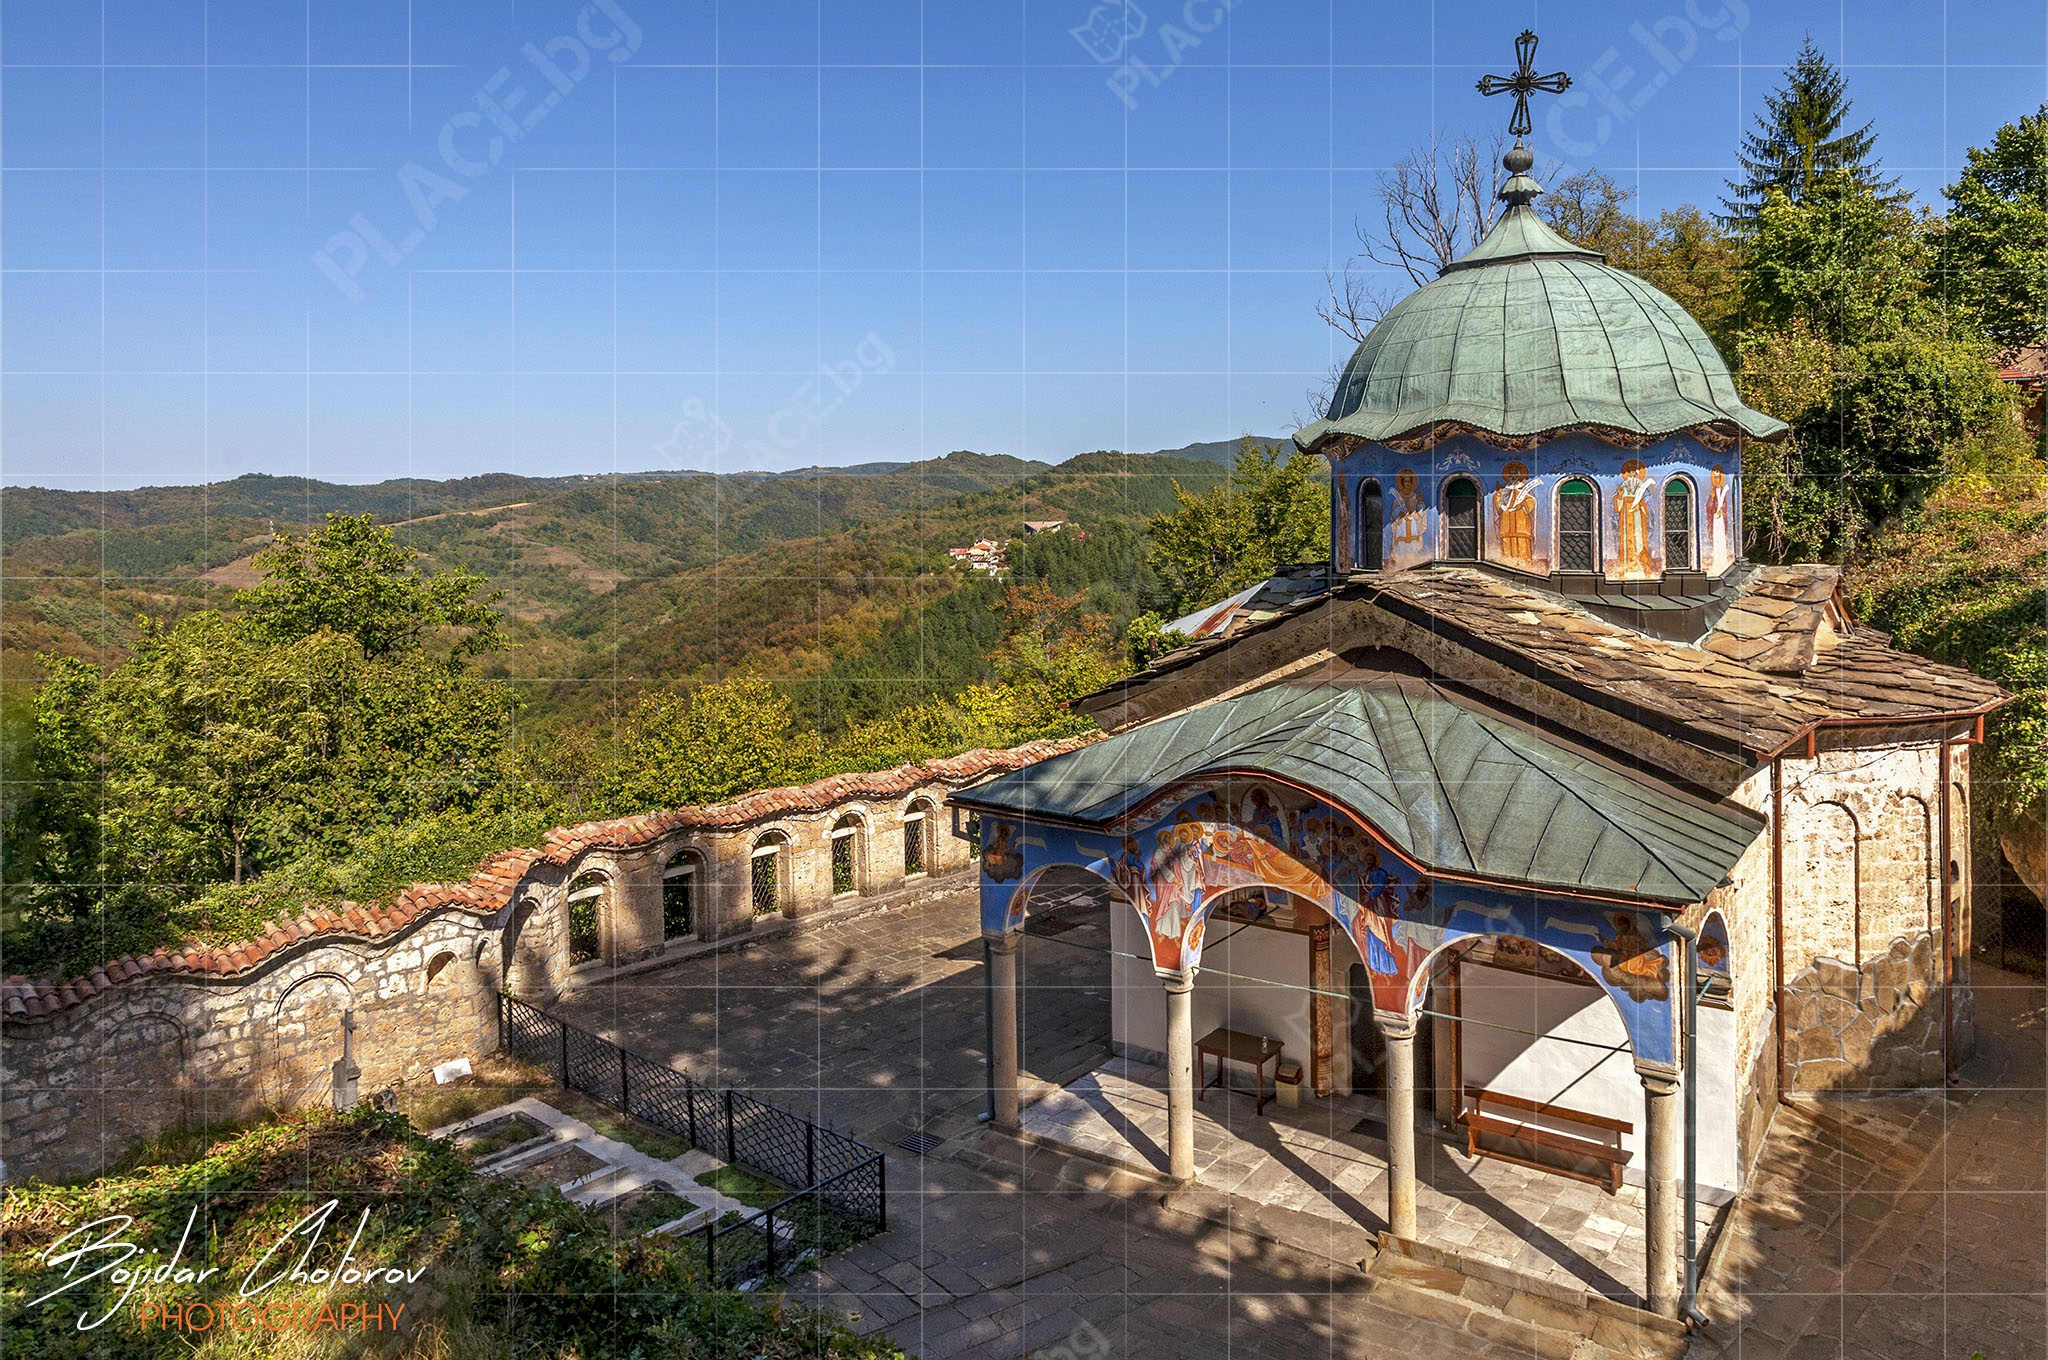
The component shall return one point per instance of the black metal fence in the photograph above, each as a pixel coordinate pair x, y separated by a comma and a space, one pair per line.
838, 1184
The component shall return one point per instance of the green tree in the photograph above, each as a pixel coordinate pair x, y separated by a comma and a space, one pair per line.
1995, 248
209, 749
1219, 541
1799, 141
1847, 341
715, 741
1842, 259
354, 577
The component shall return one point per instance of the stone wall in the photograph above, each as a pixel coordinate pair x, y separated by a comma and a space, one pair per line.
91, 1065
1870, 1029
1864, 917
84, 1086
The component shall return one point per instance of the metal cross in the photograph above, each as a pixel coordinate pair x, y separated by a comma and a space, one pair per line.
1523, 82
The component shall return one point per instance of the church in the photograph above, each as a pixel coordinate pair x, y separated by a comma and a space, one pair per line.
1537, 810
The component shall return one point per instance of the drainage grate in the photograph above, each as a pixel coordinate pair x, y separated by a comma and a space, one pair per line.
919, 1143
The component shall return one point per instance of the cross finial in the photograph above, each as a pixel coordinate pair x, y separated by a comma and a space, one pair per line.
1524, 82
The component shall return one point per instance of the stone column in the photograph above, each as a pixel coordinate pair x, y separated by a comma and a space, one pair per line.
1002, 1039
1180, 1075
1665, 1213
1399, 1032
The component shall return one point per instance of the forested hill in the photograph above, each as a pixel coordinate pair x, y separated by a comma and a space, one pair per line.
609, 580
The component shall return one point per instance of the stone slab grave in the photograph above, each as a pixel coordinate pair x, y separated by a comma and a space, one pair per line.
534, 1142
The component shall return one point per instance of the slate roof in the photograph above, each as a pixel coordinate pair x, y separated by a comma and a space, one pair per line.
1528, 334
1453, 786
1782, 658
497, 878
1855, 674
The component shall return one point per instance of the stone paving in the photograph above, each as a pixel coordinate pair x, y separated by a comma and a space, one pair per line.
1314, 1160
1903, 1225
1884, 1228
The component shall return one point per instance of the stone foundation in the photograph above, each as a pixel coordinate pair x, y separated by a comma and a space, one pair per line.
1878, 1028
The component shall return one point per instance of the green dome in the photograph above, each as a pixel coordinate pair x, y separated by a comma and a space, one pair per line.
1529, 333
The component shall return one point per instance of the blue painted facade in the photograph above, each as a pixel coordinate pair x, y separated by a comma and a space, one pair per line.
1174, 860
1518, 495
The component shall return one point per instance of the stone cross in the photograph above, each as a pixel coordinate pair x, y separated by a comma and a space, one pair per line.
1524, 82
346, 1073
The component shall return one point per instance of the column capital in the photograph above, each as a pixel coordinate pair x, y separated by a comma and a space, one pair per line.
1393, 1026
1002, 941
1175, 980
1656, 1083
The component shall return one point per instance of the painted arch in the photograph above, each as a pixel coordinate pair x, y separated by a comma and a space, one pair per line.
1176, 858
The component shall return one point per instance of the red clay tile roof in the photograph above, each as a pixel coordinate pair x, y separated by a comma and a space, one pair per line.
498, 876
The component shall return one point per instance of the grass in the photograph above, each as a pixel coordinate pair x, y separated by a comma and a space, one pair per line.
643, 1211
498, 1135
756, 1192
498, 1080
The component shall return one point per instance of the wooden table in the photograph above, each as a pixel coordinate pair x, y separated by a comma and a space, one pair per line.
1228, 1045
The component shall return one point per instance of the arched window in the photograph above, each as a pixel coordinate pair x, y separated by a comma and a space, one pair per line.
765, 874
679, 895
1678, 525
1461, 520
1577, 546
917, 838
845, 846
1372, 524
586, 896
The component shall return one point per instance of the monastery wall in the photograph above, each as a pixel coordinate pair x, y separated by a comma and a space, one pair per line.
90, 1066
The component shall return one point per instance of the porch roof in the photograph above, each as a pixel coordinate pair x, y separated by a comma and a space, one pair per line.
1452, 786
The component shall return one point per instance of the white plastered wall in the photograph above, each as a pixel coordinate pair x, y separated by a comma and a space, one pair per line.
1571, 1067
1253, 979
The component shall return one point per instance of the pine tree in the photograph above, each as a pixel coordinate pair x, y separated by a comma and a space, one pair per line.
1800, 139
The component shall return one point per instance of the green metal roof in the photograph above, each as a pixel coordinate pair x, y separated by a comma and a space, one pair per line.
1453, 787
1529, 333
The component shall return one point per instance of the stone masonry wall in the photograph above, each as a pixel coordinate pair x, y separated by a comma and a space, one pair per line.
1863, 915
1874, 1029
91, 1065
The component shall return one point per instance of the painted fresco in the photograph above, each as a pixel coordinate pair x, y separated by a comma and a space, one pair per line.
1174, 865
1713, 947
1517, 522
1518, 493
1720, 522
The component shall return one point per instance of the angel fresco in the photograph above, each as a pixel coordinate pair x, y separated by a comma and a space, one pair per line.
1631, 964
998, 859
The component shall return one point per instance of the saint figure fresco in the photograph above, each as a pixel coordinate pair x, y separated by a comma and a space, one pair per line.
1720, 527
1412, 516
1635, 557
1514, 504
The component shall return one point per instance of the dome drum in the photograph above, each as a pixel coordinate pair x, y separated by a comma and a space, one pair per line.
1580, 512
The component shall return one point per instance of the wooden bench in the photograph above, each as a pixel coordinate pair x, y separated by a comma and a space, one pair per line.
1229, 1045
1567, 1144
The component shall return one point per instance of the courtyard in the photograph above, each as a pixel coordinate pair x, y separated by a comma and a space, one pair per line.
1901, 1226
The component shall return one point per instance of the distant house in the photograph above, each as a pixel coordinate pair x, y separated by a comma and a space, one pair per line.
983, 555
2027, 370
1044, 526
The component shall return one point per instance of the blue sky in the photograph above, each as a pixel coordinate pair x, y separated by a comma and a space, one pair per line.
994, 233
